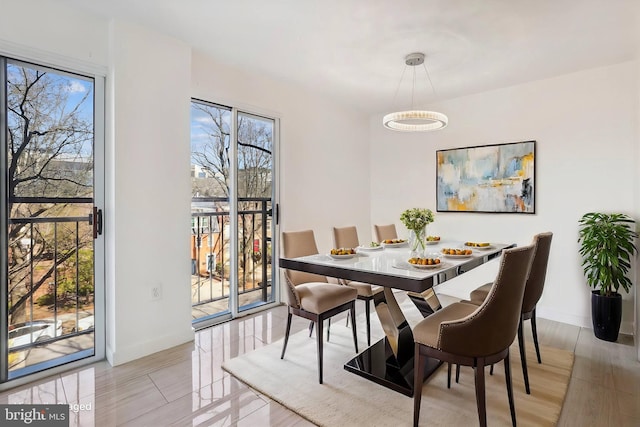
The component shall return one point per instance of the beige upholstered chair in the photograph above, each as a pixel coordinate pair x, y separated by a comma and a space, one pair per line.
476, 336
384, 232
310, 296
532, 294
347, 237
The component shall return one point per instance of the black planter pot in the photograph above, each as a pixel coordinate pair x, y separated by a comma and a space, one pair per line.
606, 314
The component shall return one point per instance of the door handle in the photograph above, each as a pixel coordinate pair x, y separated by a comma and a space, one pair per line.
95, 219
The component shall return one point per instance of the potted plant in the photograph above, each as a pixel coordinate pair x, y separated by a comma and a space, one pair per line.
607, 243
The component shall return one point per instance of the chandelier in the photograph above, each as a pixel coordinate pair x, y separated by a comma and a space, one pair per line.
415, 120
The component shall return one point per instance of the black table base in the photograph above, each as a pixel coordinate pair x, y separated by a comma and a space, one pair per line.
378, 364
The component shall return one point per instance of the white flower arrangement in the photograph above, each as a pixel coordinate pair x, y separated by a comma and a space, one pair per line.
416, 219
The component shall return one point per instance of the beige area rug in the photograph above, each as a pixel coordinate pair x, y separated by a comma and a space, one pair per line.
346, 399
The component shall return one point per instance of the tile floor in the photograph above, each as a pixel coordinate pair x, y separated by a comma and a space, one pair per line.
186, 386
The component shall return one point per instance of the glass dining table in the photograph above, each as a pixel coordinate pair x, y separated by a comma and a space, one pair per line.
389, 362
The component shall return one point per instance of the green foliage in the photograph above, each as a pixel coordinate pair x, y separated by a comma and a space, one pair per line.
607, 243
66, 288
416, 218
219, 268
85, 267
85, 290
67, 284
46, 299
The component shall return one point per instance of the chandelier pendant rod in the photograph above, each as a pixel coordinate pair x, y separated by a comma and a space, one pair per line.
399, 84
429, 78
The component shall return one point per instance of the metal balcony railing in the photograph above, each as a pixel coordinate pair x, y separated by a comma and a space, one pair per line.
211, 242
38, 313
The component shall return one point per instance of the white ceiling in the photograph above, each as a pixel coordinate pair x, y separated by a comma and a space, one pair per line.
354, 49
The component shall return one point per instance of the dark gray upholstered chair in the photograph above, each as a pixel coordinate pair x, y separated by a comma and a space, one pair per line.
532, 294
476, 336
347, 237
310, 296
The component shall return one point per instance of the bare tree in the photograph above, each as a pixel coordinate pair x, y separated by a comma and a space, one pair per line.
212, 155
254, 152
49, 155
255, 138
254, 158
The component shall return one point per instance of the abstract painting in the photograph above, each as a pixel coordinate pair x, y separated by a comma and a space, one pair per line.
491, 178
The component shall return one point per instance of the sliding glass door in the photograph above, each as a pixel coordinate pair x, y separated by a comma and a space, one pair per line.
254, 165
50, 220
233, 194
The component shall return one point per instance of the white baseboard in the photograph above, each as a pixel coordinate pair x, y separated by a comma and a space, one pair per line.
148, 347
583, 321
563, 317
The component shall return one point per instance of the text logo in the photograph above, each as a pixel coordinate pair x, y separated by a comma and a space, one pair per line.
34, 415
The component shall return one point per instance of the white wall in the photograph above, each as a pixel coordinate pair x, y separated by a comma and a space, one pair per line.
148, 192
324, 174
52, 33
586, 128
